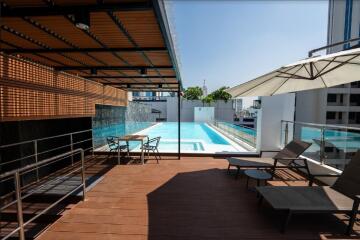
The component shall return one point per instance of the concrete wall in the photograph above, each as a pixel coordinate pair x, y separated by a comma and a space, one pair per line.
273, 110
158, 105
204, 114
223, 111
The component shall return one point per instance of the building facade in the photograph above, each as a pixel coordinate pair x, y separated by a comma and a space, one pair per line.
339, 104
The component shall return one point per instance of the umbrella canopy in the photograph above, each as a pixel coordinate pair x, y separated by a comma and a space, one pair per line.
311, 73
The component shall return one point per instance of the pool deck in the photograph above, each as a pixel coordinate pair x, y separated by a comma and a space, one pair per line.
191, 198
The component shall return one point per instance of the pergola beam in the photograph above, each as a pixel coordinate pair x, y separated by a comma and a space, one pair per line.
130, 77
145, 83
7, 11
83, 50
99, 68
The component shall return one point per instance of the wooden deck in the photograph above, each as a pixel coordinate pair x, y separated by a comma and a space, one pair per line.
192, 198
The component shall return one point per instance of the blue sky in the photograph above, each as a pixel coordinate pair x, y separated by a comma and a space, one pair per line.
231, 42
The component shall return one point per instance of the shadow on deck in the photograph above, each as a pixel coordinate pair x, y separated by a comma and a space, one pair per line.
192, 198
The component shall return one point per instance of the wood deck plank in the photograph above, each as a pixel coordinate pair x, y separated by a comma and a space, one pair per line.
192, 198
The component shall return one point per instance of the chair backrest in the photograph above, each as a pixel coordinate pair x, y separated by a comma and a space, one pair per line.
348, 182
292, 150
155, 140
112, 143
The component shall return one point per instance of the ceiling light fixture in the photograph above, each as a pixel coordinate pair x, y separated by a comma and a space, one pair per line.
93, 71
82, 20
143, 72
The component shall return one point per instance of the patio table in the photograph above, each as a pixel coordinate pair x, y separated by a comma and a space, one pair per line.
134, 138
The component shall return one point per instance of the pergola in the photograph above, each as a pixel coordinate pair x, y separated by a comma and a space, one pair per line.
123, 43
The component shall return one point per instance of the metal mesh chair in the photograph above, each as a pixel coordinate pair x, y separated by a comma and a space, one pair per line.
152, 145
114, 144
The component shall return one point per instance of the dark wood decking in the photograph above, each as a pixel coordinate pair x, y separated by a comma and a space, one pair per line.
193, 198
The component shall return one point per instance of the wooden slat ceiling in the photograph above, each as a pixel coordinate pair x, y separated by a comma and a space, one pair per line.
136, 34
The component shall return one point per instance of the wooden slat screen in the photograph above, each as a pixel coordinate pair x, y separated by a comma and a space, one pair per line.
32, 91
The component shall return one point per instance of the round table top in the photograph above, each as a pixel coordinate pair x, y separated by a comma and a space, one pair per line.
257, 174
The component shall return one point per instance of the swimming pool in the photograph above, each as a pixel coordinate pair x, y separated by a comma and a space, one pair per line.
195, 137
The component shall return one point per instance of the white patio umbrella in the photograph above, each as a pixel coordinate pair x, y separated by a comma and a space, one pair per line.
311, 73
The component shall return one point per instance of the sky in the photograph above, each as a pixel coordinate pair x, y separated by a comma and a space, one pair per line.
231, 42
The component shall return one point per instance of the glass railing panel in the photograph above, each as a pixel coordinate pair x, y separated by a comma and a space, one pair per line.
339, 146
331, 145
311, 135
243, 134
286, 133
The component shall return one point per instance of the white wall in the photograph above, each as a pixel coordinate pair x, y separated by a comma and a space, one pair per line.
204, 114
223, 111
273, 110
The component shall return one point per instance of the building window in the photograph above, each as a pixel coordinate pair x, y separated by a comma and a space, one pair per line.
330, 115
354, 117
355, 84
331, 98
355, 100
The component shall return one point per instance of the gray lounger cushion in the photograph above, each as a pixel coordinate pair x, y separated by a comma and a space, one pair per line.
302, 199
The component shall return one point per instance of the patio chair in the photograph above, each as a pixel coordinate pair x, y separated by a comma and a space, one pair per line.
342, 197
114, 144
152, 145
288, 157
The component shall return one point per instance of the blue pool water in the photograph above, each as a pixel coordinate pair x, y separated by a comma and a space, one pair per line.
100, 133
189, 131
195, 137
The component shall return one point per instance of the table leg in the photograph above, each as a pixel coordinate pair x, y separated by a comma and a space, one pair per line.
142, 152
119, 156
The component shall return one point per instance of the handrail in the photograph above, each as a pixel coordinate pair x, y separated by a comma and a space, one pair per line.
311, 52
19, 197
322, 125
33, 165
35, 142
45, 138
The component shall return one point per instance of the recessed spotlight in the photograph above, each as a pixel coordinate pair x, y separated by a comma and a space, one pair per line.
143, 72
82, 20
93, 71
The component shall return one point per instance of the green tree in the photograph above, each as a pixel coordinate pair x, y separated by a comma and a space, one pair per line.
220, 94
193, 93
207, 100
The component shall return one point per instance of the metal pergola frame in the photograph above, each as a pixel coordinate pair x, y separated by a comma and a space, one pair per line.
50, 9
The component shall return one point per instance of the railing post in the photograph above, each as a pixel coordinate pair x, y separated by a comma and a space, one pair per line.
19, 206
36, 158
83, 177
72, 148
322, 146
92, 142
286, 133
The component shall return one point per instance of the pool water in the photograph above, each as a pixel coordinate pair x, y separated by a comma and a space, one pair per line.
195, 137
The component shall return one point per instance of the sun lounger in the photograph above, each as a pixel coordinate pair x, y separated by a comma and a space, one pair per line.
288, 157
342, 197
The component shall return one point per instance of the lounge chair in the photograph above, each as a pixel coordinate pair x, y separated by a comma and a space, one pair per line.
288, 157
342, 197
